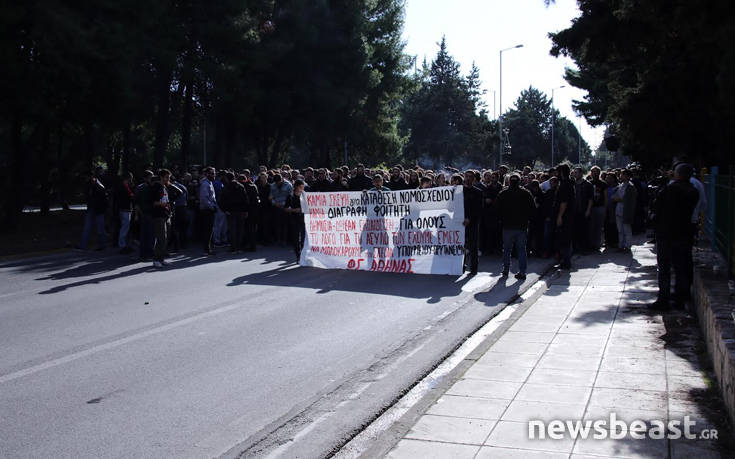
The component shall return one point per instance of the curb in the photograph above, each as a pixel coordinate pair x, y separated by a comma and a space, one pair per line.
388, 438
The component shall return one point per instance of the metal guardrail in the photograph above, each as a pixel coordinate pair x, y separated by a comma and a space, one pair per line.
719, 221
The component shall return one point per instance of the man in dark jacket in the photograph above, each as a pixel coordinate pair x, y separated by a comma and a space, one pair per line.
297, 230
339, 183
563, 210
163, 193
96, 207
396, 182
360, 182
179, 216
321, 184
584, 194
124, 198
143, 215
251, 222
265, 217
472, 216
549, 216
516, 207
674, 206
490, 225
235, 204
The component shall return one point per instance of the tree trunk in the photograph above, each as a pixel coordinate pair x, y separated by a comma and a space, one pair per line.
61, 179
186, 124
324, 160
44, 169
126, 148
162, 119
262, 149
16, 186
89, 146
276, 150
229, 143
220, 142
110, 158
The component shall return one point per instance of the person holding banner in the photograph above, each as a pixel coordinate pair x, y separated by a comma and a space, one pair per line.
472, 215
396, 182
378, 184
516, 207
360, 181
297, 228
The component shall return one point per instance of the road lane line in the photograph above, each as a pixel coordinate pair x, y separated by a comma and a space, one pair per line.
119, 342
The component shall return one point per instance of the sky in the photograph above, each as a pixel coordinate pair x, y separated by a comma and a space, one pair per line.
476, 30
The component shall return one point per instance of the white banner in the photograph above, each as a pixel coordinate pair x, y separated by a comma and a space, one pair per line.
410, 231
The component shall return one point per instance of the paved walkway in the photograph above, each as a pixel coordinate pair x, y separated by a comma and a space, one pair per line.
588, 347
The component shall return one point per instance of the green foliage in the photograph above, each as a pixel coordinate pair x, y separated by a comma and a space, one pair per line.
236, 83
242, 82
659, 73
529, 125
443, 115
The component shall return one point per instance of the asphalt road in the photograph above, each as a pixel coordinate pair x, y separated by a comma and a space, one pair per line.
102, 356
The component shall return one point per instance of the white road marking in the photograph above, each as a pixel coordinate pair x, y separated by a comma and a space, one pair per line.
117, 343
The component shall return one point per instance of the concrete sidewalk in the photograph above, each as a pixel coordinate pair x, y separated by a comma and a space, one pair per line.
586, 348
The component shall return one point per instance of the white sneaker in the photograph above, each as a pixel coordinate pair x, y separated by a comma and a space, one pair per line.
157, 264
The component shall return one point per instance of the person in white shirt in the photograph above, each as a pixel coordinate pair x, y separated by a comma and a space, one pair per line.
207, 208
625, 196
702, 203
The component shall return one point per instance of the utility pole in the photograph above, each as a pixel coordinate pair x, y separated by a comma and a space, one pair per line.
500, 111
553, 122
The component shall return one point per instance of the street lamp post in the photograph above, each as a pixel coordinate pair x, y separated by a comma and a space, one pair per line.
495, 106
500, 111
553, 121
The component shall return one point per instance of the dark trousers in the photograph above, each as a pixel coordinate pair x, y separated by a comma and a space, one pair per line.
236, 228
517, 239
536, 236
549, 237
611, 232
280, 224
207, 221
564, 243
264, 225
471, 243
161, 230
146, 235
179, 235
298, 234
581, 232
491, 234
251, 228
97, 221
672, 254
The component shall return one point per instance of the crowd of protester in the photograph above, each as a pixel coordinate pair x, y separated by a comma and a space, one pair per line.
549, 213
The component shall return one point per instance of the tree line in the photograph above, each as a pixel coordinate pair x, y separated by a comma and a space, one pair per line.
658, 74
236, 83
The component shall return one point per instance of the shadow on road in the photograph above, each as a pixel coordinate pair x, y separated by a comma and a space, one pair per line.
97, 266
506, 288
431, 287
